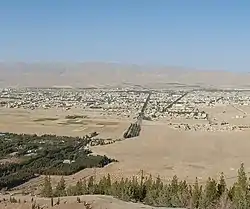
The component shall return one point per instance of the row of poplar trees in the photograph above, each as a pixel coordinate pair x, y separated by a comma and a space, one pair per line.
156, 193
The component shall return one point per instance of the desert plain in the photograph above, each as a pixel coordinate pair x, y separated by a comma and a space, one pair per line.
159, 150
204, 133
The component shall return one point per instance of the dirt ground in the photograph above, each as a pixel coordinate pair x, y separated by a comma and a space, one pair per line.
53, 121
166, 152
159, 150
96, 201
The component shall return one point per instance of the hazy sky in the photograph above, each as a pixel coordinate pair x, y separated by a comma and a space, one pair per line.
208, 34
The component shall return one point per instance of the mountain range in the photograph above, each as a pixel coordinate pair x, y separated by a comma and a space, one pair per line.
100, 74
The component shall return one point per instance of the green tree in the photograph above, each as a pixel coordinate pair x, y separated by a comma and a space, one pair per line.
91, 185
163, 198
174, 192
148, 187
101, 188
84, 187
60, 188
126, 189
210, 196
222, 186
196, 192
71, 190
152, 198
79, 188
184, 195
108, 185
115, 190
104, 185
120, 188
149, 182
240, 190
158, 185
47, 188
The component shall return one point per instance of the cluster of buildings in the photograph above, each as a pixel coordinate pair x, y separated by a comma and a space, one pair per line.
108, 102
194, 106
204, 127
127, 103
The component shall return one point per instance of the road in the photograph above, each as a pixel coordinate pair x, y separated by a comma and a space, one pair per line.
141, 114
175, 101
135, 128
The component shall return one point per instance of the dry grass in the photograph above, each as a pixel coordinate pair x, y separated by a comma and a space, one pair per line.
94, 202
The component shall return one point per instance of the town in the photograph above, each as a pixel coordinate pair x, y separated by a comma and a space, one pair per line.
202, 109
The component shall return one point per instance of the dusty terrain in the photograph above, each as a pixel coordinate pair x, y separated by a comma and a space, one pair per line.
53, 121
96, 202
98, 74
159, 150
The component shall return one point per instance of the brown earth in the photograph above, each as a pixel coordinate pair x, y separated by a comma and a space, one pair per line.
96, 201
97, 74
159, 150
53, 121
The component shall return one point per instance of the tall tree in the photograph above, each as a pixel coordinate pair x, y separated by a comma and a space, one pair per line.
60, 188
210, 195
196, 192
91, 185
240, 190
47, 188
79, 187
222, 186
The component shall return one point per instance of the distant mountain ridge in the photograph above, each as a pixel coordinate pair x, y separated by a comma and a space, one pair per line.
98, 74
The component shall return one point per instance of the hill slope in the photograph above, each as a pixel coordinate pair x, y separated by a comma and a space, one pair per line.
112, 74
97, 202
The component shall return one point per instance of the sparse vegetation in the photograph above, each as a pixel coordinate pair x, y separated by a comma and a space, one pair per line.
215, 194
75, 116
45, 119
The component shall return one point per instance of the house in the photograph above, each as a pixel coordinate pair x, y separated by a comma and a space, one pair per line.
68, 161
